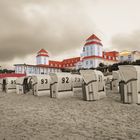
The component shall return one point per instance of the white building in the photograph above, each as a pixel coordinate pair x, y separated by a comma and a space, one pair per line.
43, 65
92, 55
42, 57
129, 56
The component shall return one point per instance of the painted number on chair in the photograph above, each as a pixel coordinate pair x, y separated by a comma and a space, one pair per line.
44, 81
13, 82
65, 80
77, 79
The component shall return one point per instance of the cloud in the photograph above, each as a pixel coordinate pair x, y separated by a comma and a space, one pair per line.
58, 26
127, 41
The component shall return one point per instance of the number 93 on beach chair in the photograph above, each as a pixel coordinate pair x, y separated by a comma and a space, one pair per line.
41, 85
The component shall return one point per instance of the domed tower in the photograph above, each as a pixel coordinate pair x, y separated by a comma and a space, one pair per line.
93, 46
42, 57
92, 52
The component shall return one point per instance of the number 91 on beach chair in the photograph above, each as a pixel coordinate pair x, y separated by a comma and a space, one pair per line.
94, 85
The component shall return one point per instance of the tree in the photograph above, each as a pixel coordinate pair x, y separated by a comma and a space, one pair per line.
101, 65
6, 71
138, 62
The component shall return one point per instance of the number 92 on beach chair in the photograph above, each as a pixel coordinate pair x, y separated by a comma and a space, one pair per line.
61, 86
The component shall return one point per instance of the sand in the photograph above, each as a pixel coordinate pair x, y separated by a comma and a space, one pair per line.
27, 117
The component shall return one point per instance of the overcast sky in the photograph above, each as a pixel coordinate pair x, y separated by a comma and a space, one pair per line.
62, 26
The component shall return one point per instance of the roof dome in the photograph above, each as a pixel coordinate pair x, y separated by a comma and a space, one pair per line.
93, 39
42, 52
93, 36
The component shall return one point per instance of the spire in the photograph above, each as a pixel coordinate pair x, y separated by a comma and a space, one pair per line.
93, 36
42, 52
93, 39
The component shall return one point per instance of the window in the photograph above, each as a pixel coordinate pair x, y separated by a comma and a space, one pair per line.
86, 62
44, 60
83, 49
121, 57
20, 69
129, 57
91, 62
98, 51
30, 70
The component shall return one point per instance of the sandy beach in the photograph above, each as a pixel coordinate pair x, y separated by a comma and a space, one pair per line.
27, 117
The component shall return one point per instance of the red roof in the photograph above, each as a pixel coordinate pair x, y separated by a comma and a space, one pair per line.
75, 59
93, 37
4, 75
52, 64
107, 58
55, 64
42, 55
58, 64
70, 62
112, 53
42, 51
93, 42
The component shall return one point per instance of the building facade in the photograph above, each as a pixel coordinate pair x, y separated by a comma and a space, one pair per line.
129, 56
44, 65
92, 55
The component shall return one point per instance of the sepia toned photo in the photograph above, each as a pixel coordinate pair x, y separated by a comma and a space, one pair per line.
69, 70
